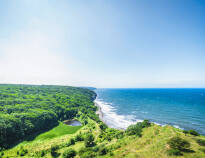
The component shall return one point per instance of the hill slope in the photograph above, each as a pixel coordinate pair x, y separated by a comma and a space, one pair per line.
92, 139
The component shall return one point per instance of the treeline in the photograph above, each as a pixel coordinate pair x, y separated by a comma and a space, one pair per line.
26, 109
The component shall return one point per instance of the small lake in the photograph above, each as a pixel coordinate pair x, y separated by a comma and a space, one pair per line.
73, 122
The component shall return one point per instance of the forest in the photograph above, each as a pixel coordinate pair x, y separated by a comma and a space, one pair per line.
26, 109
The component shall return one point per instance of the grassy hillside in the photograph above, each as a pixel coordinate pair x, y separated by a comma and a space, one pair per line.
60, 130
94, 138
152, 143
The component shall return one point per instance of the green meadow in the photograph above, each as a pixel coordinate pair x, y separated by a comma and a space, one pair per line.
60, 130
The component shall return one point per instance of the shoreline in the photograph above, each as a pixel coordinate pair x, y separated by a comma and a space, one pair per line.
101, 115
113, 122
99, 112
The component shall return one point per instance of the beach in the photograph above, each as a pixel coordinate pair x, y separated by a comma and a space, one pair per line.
108, 115
99, 111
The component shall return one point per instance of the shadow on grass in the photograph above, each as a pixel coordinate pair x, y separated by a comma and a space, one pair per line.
188, 151
32, 136
55, 154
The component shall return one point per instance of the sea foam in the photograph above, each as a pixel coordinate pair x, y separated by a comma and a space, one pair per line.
112, 119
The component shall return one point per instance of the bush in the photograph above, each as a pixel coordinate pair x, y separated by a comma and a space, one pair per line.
178, 143
42, 153
70, 153
192, 132
134, 130
54, 147
96, 149
53, 150
102, 126
201, 142
145, 124
89, 140
79, 137
102, 151
185, 132
22, 151
119, 134
70, 142
137, 128
175, 152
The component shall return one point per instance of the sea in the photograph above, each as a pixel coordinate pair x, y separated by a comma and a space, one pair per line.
181, 108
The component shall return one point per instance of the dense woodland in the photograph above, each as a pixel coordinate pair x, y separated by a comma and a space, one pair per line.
26, 109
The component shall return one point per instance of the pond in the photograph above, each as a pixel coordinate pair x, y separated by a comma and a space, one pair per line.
73, 122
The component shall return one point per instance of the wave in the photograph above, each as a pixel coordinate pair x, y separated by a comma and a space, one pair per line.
114, 120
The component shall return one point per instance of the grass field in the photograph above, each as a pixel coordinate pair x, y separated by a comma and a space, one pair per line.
60, 130
152, 144
57, 135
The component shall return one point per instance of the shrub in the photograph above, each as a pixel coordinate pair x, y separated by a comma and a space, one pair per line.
172, 152
70, 142
85, 122
119, 134
53, 151
102, 126
103, 151
96, 149
145, 124
201, 142
54, 147
134, 130
42, 153
111, 154
178, 143
137, 128
70, 153
22, 151
185, 132
89, 140
79, 137
193, 132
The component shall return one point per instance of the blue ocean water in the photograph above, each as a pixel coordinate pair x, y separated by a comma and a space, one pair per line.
182, 108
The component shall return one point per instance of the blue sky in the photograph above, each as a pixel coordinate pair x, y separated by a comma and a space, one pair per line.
103, 43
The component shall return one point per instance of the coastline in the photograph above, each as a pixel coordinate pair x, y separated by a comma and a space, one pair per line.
99, 111
101, 115
112, 122
116, 121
